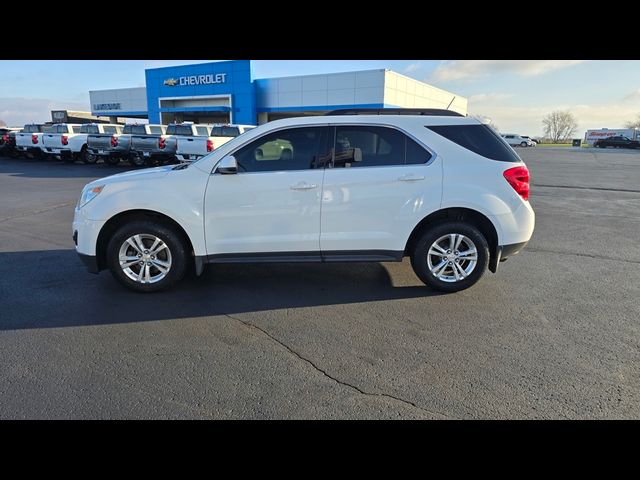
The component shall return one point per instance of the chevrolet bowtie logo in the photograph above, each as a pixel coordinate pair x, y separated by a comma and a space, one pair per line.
171, 82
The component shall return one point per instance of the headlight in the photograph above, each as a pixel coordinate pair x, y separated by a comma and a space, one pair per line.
88, 194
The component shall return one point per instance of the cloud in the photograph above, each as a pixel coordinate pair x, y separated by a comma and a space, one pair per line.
633, 96
465, 69
489, 97
413, 67
18, 111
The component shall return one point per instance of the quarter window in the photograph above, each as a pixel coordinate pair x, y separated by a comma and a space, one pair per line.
292, 149
480, 139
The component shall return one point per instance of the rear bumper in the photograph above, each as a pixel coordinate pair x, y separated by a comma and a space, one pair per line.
503, 252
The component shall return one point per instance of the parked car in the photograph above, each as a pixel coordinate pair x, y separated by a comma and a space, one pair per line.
516, 140
120, 145
534, 142
163, 148
191, 148
444, 190
105, 144
69, 141
8, 141
29, 140
619, 141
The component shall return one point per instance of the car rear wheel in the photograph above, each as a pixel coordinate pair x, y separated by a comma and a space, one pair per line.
146, 256
523, 144
451, 256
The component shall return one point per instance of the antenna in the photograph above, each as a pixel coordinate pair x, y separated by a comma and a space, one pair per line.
454, 97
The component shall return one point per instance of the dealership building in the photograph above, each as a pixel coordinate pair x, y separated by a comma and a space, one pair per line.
226, 92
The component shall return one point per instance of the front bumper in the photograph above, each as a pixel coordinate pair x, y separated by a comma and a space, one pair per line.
91, 262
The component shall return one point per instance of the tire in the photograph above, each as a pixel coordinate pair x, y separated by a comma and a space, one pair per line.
89, 158
523, 144
137, 160
113, 161
446, 280
83, 156
172, 253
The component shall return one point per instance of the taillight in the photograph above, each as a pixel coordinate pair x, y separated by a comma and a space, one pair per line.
5, 138
64, 139
518, 178
114, 141
34, 139
161, 143
209, 145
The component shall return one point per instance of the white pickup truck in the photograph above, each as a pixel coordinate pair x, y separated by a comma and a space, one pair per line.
29, 140
69, 141
190, 149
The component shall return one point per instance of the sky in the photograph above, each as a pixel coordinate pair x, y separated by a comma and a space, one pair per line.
514, 94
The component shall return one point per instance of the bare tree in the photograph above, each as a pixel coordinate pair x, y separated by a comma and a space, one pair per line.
3, 123
559, 126
633, 124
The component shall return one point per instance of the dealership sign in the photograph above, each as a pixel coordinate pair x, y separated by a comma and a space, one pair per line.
210, 79
107, 106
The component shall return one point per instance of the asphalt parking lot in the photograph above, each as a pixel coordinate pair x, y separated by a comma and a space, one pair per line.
554, 334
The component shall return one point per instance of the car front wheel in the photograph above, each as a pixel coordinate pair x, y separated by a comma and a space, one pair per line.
146, 256
451, 256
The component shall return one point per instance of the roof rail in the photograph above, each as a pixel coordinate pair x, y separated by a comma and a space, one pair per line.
396, 111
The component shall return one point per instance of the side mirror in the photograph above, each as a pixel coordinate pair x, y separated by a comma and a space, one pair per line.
227, 166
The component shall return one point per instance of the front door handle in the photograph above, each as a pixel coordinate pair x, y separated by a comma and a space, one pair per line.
411, 178
303, 186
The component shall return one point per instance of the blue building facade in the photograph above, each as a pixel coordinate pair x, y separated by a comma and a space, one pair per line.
226, 92
227, 85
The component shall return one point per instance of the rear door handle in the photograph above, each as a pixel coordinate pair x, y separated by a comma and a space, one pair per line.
303, 186
410, 177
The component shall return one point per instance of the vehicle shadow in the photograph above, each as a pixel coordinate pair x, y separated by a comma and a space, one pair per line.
52, 289
42, 168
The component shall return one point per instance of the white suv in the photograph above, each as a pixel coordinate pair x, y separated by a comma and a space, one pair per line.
516, 140
443, 189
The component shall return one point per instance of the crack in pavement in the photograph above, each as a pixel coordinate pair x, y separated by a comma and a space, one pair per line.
598, 257
588, 188
323, 372
35, 212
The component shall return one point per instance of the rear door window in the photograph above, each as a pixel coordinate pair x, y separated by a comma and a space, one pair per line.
480, 139
184, 130
111, 129
225, 131
138, 130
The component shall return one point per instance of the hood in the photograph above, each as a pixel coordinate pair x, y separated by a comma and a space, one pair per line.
145, 174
